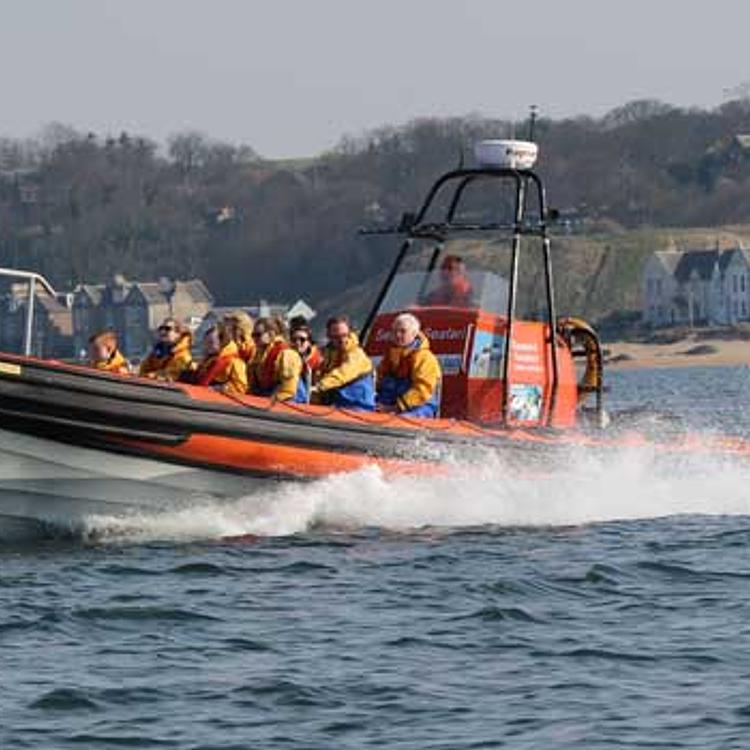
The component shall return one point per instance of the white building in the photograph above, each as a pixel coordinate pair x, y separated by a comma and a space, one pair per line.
737, 287
696, 287
659, 287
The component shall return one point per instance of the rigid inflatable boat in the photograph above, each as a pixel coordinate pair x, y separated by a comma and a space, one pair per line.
516, 379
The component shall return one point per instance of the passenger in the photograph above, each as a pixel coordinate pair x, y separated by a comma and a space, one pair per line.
455, 288
302, 342
276, 369
346, 377
281, 327
240, 326
222, 367
409, 373
104, 354
171, 355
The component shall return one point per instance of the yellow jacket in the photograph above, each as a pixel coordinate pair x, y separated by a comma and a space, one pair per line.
417, 365
116, 364
275, 371
342, 366
246, 349
172, 365
225, 370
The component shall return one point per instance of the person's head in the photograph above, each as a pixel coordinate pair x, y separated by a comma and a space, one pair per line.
102, 346
169, 331
300, 335
298, 321
337, 331
405, 329
452, 266
239, 325
280, 326
264, 332
212, 340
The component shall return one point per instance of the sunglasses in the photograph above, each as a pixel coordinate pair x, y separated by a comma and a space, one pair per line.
299, 339
166, 329
259, 334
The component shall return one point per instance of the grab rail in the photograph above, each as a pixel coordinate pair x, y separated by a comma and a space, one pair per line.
32, 278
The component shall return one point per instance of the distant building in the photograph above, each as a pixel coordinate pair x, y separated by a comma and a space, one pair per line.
52, 330
135, 309
301, 308
148, 303
696, 287
734, 150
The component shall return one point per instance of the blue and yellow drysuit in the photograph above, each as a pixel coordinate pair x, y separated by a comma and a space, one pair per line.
408, 377
346, 377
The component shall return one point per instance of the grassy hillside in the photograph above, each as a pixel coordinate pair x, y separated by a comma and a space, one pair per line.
597, 276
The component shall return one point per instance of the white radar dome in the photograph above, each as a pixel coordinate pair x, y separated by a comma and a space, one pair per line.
506, 153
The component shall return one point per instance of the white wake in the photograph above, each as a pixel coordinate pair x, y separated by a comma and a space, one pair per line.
581, 490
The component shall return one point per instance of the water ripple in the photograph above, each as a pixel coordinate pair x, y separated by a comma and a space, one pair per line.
65, 699
140, 614
199, 568
493, 611
497, 614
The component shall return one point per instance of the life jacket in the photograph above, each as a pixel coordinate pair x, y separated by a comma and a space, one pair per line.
116, 364
311, 365
246, 349
264, 372
314, 360
223, 369
212, 368
168, 362
266, 378
396, 378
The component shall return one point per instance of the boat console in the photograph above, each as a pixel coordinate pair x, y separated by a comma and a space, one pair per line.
478, 276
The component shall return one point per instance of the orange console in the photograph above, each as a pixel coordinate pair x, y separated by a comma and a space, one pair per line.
470, 345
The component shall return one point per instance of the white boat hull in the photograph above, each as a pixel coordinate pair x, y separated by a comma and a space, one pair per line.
48, 487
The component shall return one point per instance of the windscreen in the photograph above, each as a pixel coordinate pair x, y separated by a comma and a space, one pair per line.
470, 272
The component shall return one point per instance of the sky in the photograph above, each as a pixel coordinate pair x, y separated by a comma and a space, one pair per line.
291, 77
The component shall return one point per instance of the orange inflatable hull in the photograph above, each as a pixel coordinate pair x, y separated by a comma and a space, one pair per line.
196, 426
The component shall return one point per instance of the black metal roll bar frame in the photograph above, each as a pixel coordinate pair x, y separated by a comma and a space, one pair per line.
416, 228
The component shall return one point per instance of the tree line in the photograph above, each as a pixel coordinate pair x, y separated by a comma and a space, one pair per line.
80, 207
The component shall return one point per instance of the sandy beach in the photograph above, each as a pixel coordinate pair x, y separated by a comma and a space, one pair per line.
690, 351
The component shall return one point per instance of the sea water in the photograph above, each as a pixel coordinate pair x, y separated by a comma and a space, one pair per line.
603, 604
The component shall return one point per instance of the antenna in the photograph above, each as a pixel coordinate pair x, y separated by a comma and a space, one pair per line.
533, 109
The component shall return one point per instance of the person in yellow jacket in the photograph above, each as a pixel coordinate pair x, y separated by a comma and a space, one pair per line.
275, 370
104, 354
409, 373
222, 367
346, 375
171, 355
240, 326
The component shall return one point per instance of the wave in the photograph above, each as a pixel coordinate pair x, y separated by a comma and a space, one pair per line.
485, 492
